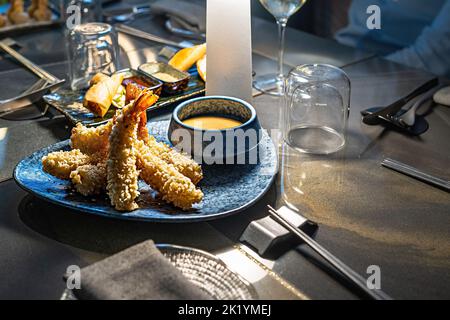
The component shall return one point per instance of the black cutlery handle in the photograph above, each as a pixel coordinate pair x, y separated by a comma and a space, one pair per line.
395, 107
422, 89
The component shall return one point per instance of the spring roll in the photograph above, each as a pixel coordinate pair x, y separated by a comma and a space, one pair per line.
99, 97
99, 77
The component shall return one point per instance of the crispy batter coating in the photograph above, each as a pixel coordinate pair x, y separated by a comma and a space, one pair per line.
89, 179
166, 179
61, 163
91, 140
183, 163
122, 174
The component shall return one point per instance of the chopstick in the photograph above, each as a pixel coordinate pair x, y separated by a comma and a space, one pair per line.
415, 173
345, 270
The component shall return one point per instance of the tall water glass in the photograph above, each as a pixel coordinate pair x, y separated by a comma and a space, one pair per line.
92, 48
317, 106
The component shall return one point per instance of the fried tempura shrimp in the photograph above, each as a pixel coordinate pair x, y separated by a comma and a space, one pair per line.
166, 179
61, 163
122, 174
183, 163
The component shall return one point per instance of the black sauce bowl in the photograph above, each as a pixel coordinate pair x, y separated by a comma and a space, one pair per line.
233, 145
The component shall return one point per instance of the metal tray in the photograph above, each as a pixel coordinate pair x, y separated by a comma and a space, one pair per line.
32, 25
68, 102
155, 84
169, 88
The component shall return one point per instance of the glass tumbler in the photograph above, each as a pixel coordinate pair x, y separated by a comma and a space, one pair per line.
92, 48
316, 110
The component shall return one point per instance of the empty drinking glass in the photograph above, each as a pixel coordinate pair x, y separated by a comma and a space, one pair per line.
92, 48
317, 105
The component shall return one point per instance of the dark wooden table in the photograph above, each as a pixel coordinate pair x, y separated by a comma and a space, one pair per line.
368, 215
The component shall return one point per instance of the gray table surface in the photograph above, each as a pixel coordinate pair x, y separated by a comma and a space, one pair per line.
367, 215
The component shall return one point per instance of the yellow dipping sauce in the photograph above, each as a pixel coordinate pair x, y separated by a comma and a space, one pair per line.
212, 122
165, 77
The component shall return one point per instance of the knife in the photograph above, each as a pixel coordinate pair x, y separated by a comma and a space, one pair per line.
125, 14
151, 37
374, 116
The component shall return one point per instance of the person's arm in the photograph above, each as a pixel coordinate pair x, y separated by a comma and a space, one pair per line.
431, 50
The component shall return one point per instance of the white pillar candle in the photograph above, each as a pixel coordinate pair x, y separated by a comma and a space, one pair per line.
229, 49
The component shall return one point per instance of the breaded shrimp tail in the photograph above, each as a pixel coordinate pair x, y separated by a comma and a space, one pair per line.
122, 174
143, 133
61, 163
166, 179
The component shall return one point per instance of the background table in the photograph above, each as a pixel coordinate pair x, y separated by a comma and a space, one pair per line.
368, 215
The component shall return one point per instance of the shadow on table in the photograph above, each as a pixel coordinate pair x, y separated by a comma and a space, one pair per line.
103, 235
234, 226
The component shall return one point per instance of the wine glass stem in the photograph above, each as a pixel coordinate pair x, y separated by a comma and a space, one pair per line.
281, 36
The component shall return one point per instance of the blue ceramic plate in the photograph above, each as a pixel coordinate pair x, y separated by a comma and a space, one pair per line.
227, 189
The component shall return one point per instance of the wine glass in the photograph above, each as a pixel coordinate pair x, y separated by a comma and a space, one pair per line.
282, 10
